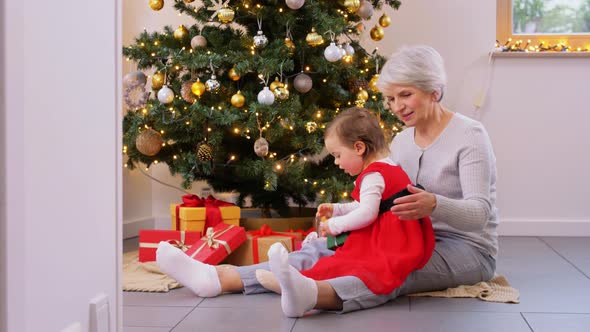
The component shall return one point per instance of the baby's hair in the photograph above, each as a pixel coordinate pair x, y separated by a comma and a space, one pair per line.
358, 124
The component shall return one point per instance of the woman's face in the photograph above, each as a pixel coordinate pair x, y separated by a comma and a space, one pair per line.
410, 104
348, 158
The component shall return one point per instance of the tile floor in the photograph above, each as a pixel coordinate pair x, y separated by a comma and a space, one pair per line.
552, 274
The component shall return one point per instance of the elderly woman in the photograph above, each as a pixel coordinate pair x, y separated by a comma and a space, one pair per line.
447, 153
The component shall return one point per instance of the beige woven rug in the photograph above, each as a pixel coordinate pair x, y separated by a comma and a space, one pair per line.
144, 277
496, 290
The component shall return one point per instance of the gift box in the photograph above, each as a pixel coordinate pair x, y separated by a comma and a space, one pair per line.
197, 214
255, 249
149, 239
217, 244
334, 242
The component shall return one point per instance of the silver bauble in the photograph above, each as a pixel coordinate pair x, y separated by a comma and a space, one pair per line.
332, 53
165, 95
134, 78
295, 4
198, 41
365, 10
261, 147
302, 83
349, 49
212, 84
266, 97
260, 40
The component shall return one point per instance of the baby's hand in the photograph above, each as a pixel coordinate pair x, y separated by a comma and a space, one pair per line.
324, 229
325, 211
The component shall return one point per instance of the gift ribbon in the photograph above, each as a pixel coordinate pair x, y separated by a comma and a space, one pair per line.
265, 231
212, 205
180, 244
210, 240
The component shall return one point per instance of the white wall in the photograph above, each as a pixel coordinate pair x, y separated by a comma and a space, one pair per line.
3, 288
535, 112
62, 165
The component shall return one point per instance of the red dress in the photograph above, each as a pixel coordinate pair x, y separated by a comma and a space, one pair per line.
384, 253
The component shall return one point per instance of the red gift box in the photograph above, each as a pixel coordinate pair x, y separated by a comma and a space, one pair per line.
217, 244
149, 239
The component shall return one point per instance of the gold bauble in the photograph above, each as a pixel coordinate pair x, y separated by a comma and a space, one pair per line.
362, 95
225, 15
158, 80
156, 4
198, 88
238, 100
377, 33
149, 142
313, 38
188, 1
384, 20
233, 75
347, 59
373, 83
290, 45
180, 33
360, 27
204, 151
352, 5
275, 84
281, 93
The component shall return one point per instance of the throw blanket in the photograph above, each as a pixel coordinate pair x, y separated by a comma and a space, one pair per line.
144, 277
496, 290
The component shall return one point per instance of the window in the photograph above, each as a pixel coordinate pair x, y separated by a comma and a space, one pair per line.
557, 25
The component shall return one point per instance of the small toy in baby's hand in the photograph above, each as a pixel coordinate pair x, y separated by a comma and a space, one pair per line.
333, 241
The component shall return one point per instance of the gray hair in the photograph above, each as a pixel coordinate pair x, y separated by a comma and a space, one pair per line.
420, 66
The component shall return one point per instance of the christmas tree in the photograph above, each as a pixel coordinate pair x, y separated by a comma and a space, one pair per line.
241, 98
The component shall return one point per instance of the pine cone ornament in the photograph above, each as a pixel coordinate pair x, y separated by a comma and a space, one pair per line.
355, 85
186, 92
204, 152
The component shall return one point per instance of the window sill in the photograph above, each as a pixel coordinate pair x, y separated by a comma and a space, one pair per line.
541, 54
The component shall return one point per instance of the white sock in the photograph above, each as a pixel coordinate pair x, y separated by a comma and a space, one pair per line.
268, 281
200, 278
299, 293
311, 236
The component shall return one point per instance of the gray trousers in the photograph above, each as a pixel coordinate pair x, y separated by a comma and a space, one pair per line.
454, 262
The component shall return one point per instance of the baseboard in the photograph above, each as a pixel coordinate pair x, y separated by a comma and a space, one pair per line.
521, 227
131, 227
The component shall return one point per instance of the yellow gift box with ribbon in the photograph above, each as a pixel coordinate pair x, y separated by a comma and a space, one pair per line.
217, 244
150, 238
197, 214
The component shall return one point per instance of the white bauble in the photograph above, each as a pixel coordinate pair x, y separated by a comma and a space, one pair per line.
165, 95
332, 53
295, 4
260, 40
349, 49
365, 10
134, 78
342, 51
302, 83
266, 97
198, 41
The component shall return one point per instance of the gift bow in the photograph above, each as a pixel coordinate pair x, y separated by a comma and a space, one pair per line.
180, 244
210, 240
265, 231
212, 205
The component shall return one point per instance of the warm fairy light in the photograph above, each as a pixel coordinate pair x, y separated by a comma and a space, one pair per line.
366, 60
153, 54
344, 194
177, 67
324, 80
209, 129
162, 132
305, 159
146, 126
147, 169
187, 123
155, 161
307, 68
232, 157
318, 115
125, 165
322, 192
278, 167
174, 157
248, 131
291, 128
315, 183
305, 180
144, 111
246, 6
236, 130
156, 43
280, 10
142, 44
190, 51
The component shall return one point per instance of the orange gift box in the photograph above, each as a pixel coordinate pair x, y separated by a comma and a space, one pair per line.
217, 244
149, 239
257, 244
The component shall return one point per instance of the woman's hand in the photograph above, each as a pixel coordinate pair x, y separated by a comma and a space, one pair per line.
416, 206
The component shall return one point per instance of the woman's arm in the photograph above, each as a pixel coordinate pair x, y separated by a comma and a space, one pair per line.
476, 173
367, 209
